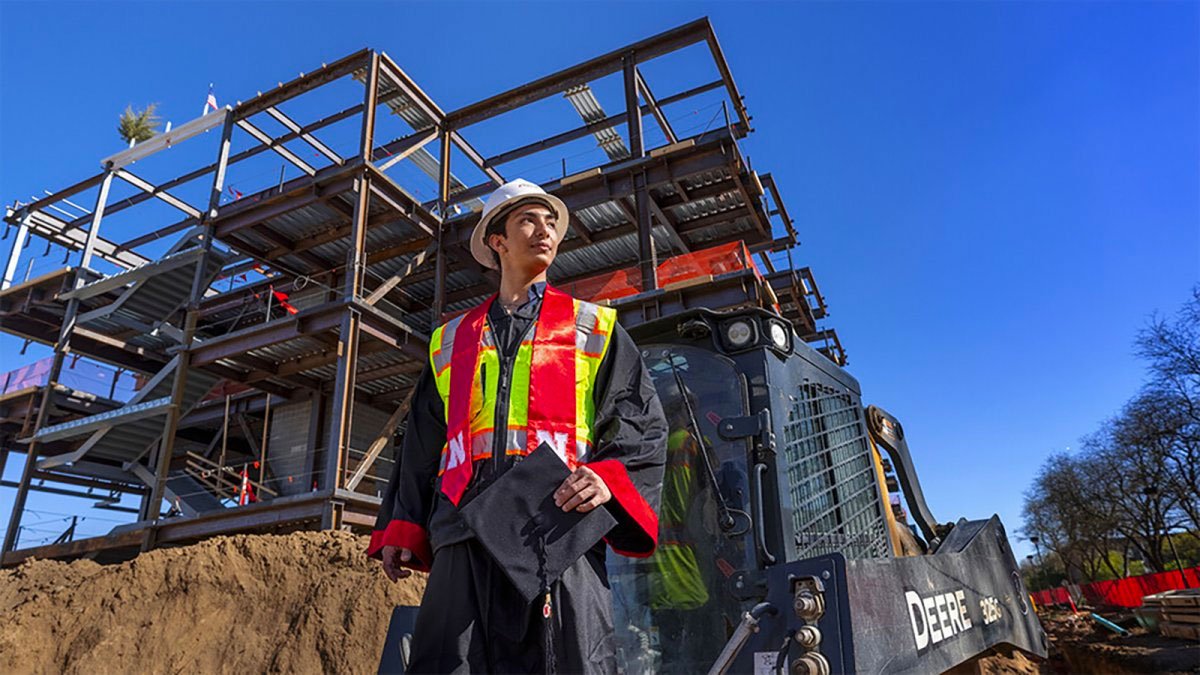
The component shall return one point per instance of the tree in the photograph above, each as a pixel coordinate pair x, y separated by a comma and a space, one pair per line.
1119, 475
1137, 478
1071, 519
138, 126
1167, 413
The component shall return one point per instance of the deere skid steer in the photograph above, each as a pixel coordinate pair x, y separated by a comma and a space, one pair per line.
781, 547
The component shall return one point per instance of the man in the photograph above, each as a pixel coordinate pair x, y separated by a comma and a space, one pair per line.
530, 365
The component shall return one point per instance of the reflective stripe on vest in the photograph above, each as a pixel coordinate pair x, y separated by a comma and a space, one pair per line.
592, 326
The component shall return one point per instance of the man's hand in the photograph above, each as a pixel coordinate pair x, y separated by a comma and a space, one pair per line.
392, 557
582, 491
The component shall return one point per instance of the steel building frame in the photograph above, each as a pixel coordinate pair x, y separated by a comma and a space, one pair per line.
372, 270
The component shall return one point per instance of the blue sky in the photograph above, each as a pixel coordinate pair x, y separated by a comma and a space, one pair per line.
993, 197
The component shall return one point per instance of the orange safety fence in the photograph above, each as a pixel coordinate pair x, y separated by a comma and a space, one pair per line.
709, 262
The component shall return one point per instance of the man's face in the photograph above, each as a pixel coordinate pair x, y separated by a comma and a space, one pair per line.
531, 240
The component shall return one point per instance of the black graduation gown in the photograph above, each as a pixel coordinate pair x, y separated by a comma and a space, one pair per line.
472, 619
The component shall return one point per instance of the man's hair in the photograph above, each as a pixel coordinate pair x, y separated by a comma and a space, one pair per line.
496, 226
499, 223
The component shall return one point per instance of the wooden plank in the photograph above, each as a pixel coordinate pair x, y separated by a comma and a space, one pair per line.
1181, 599
1175, 630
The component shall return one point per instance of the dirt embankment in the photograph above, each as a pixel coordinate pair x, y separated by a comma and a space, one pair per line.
298, 603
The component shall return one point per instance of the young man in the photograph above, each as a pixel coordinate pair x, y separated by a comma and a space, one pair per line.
538, 366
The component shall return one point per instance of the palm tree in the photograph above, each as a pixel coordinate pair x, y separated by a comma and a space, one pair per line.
136, 127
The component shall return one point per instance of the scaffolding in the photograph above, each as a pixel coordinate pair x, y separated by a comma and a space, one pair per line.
274, 328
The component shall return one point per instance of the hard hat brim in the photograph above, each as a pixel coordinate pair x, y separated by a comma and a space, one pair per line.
479, 248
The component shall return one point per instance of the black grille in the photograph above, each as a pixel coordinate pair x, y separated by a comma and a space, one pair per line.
830, 474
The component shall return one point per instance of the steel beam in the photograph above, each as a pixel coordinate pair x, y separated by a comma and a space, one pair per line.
312, 141
655, 108
355, 253
265, 139
768, 182
165, 140
476, 158
305, 82
405, 147
383, 288
293, 196
592, 127
660, 44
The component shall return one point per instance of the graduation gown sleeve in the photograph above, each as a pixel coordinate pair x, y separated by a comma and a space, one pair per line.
405, 509
631, 446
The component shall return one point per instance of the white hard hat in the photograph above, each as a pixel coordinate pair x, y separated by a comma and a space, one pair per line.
498, 203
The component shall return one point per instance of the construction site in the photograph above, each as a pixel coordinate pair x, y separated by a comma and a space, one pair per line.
239, 308
280, 332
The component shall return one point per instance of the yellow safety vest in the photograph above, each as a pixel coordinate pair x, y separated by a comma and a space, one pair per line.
677, 582
593, 332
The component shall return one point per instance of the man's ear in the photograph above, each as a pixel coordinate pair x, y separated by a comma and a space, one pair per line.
497, 242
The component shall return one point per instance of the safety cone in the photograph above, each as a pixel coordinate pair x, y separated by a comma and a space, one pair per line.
247, 493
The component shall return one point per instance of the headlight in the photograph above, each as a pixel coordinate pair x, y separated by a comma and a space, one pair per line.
779, 336
739, 334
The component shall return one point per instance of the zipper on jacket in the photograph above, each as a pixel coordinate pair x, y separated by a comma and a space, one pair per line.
500, 423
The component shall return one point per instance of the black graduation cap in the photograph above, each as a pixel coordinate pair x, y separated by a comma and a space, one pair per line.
533, 540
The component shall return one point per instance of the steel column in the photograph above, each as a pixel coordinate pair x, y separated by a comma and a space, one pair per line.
355, 261
440, 271
356, 254
340, 418
10, 268
647, 258
61, 347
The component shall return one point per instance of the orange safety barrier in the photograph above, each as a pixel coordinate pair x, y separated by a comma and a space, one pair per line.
709, 262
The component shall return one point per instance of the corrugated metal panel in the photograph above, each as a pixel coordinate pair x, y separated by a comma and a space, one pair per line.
293, 348
290, 460
589, 108
600, 217
700, 208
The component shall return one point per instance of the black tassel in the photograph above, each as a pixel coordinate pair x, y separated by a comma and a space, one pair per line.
549, 662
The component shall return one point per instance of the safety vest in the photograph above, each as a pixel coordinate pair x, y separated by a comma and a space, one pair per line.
550, 390
677, 582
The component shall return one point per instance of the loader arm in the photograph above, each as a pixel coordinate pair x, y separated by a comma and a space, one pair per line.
888, 434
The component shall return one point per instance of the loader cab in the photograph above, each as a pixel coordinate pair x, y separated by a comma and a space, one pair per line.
768, 461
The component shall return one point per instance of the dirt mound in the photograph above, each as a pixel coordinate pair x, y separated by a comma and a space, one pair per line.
1002, 661
303, 602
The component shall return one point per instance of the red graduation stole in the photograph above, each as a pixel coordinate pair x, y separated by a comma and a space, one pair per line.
551, 387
